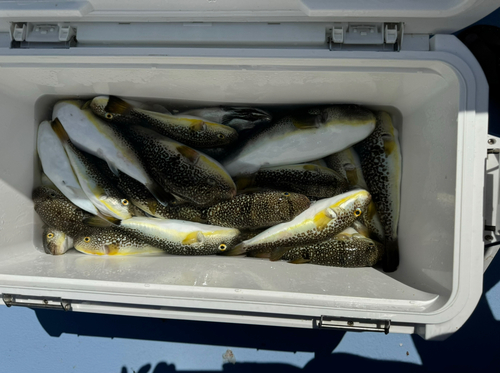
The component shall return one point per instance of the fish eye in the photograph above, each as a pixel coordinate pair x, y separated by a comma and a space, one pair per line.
50, 235
124, 202
221, 136
286, 194
87, 239
109, 116
357, 212
222, 247
52, 194
371, 244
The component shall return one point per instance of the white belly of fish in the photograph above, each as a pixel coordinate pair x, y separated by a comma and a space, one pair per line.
56, 165
92, 135
299, 146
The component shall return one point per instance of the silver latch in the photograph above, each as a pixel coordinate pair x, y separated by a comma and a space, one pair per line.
366, 36
18, 31
491, 207
42, 35
36, 302
355, 324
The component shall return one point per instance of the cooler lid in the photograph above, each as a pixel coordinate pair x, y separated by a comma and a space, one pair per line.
419, 16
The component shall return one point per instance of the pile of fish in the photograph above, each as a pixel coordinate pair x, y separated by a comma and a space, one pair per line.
316, 185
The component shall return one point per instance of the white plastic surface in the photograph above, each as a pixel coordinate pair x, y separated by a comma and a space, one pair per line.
432, 96
422, 16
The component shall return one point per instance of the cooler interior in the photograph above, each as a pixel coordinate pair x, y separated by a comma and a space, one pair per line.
424, 97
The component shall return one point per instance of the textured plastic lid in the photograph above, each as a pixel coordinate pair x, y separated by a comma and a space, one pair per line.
419, 16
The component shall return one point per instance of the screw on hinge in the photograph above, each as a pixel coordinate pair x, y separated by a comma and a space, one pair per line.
492, 141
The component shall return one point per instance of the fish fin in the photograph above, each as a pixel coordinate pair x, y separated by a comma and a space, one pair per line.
299, 260
101, 221
159, 193
243, 182
113, 168
112, 249
259, 254
199, 126
278, 252
311, 167
237, 250
86, 105
117, 106
321, 219
303, 125
391, 258
193, 237
152, 206
59, 130
160, 109
189, 153
341, 236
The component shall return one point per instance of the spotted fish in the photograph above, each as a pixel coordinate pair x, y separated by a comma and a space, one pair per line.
238, 117
144, 201
92, 135
324, 219
380, 156
257, 210
343, 250
114, 241
55, 242
308, 179
57, 168
102, 193
177, 236
301, 137
348, 164
58, 212
181, 170
192, 131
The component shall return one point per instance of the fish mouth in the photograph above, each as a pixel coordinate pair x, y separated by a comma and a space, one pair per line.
237, 250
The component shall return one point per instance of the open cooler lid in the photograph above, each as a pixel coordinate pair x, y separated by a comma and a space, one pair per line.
419, 17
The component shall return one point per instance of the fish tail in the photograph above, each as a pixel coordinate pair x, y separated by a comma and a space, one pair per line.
59, 130
390, 261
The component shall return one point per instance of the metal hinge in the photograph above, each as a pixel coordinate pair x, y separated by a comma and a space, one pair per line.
366, 36
36, 302
42, 35
328, 322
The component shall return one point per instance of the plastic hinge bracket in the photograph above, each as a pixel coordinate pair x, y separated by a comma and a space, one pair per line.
42, 35
328, 322
366, 36
491, 209
36, 302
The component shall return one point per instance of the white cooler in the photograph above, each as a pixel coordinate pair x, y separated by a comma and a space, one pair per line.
200, 53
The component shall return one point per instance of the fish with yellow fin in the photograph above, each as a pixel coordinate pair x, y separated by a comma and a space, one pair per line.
307, 179
380, 156
110, 201
172, 236
324, 219
190, 130
303, 136
181, 170
348, 249
257, 210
